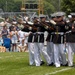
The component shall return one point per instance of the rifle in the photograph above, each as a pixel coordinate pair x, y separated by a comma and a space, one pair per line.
46, 25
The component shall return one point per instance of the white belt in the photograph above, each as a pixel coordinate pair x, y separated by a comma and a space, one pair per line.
39, 32
61, 33
68, 32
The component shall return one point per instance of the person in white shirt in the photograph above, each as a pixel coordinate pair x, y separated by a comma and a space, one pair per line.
14, 38
22, 40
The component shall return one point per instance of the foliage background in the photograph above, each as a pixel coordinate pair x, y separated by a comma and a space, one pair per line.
50, 6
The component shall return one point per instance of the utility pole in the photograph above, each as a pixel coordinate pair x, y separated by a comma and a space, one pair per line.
23, 5
40, 7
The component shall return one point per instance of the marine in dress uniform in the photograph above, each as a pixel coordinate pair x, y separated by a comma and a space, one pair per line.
70, 38
39, 42
49, 39
36, 24
58, 41
29, 28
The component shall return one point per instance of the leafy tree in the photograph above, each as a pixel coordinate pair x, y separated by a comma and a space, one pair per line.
53, 5
68, 6
48, 7
17, 6
10, 5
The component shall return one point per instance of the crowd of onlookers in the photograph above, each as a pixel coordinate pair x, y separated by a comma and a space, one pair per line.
11, 36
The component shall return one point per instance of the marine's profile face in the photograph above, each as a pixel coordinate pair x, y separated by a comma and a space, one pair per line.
54, 18
43, 19
59, 18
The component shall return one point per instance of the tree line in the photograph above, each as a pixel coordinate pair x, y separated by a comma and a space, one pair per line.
10, 5
50, 6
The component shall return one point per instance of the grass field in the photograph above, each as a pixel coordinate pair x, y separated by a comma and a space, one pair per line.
18, 64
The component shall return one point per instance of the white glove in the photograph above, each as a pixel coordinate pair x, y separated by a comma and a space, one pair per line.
46, 27
53, 22
30, 28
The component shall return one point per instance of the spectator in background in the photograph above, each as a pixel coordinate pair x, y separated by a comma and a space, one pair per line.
4, 32
22, 39
14, 38
10, 28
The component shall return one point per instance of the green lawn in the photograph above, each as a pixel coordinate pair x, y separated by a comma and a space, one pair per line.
18, 64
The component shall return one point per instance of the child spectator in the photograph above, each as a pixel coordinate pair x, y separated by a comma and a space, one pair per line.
14, 38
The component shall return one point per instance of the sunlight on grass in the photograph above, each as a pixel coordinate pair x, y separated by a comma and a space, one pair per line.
18, 64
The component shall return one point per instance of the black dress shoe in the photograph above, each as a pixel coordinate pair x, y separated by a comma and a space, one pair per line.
42, 62
65, 64
50, 64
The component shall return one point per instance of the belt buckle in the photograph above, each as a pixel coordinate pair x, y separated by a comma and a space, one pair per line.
56, 32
